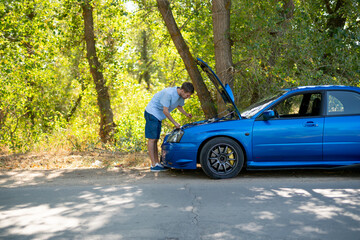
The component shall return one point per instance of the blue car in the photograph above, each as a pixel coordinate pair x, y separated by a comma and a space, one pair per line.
302, 127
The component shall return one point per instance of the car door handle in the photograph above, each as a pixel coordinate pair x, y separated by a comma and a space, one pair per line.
310, 124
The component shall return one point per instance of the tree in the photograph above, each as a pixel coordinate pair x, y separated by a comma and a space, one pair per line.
145, 74
103, 99
207, 104
29, 91
222, 45
286, 43
336, 18
2, 118
48, 98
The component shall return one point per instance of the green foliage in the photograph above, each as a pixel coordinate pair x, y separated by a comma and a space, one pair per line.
278, 46
47, 96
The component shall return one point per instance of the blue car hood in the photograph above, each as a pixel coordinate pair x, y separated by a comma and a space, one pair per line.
225, 91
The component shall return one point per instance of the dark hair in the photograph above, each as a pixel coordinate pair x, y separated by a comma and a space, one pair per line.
188, 87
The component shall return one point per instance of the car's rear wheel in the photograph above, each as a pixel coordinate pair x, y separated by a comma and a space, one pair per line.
221, 158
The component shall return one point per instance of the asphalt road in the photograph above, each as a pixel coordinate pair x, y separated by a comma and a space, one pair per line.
138, 204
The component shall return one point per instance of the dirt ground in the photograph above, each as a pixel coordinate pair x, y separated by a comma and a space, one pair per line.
101, 167
97, 167
97, 158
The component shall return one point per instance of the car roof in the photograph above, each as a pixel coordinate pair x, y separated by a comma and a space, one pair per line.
323, 87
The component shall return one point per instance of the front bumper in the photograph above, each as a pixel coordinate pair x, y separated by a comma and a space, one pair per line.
179, 155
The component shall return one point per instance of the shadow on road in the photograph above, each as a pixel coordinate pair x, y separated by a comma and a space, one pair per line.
179, 204
124, 176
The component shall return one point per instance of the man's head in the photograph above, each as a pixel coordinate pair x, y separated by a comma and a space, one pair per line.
186, 90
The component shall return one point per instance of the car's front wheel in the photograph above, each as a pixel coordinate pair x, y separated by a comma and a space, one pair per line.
221, 158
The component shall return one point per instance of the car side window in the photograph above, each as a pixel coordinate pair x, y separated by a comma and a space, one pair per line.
301, 105
343, 103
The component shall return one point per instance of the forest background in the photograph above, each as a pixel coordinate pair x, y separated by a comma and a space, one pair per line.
76, 75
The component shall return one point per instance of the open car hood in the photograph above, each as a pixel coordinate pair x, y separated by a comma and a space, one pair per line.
225, 91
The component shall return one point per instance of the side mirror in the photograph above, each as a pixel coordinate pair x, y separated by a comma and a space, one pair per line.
268, 114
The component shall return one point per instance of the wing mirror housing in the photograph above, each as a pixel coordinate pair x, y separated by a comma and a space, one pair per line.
268, 114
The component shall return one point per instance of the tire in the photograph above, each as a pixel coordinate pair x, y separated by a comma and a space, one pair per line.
221, 158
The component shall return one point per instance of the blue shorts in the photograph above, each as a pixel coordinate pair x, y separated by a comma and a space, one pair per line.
152, 126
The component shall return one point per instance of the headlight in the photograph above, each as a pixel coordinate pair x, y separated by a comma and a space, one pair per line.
175, 136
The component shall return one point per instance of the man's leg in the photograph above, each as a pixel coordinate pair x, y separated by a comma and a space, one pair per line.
153, 151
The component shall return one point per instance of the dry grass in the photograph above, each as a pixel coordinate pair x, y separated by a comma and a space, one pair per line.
73, 160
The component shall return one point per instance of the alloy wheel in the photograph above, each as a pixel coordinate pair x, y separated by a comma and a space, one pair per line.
222, 158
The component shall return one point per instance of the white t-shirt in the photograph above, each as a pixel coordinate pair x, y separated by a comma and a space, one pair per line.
167, 97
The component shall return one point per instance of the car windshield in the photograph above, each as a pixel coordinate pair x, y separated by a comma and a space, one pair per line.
253, 109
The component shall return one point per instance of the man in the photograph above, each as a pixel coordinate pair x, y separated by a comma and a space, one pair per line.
157, 110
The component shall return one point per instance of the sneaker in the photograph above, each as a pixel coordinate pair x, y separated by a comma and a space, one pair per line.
158, 168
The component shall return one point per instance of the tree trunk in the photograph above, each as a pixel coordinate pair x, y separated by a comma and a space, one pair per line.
207, 104
145, 60
287, 14
336, 19
2, 118
103, 98
222, 45
75, 74
29, 108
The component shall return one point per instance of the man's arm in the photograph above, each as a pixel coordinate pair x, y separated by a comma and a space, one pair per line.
181, 109
167, 114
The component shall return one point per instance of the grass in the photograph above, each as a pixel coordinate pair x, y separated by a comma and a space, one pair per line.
96, 158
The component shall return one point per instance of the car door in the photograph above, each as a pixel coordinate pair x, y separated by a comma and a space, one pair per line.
294, 136
342, 127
